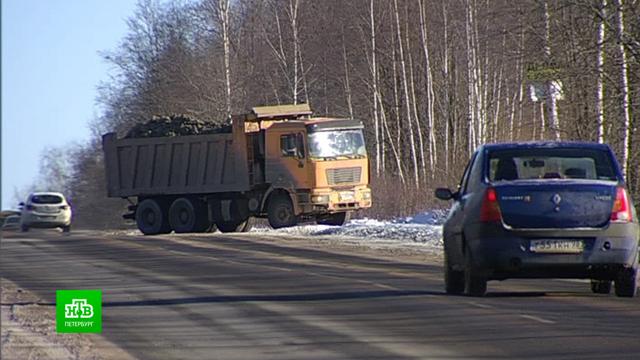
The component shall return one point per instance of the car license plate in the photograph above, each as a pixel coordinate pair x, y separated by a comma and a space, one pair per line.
557, 246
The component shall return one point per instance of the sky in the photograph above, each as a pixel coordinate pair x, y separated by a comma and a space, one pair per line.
51, 68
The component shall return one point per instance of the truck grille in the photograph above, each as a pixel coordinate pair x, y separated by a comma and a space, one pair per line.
344, 176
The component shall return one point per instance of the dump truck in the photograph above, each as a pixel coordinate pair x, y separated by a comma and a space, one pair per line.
278, 162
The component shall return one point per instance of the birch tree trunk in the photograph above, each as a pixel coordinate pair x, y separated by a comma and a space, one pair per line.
445, 75
430, 93
600, 69
407, 104
223, 16
374, 80
552, 110
396, 96
416, 115
293, 17
471, 71
347, 86
624, 87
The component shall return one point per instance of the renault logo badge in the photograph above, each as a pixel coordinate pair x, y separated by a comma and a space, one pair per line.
556, 199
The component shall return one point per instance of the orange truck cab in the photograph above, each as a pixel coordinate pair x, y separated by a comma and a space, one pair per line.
320, 163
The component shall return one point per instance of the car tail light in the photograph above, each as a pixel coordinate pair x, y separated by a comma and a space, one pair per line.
64, 207
621, 211
490, 210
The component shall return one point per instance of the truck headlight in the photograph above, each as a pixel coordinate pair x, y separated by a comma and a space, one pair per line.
320, 199
366, 195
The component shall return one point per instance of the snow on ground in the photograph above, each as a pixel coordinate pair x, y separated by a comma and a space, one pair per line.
423, 230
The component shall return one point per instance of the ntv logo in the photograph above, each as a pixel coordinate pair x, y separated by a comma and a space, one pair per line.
79, 308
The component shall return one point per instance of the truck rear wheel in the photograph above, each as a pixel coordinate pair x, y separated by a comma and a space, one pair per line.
280, 212
151, 217
337, 219
184, 216
231, 226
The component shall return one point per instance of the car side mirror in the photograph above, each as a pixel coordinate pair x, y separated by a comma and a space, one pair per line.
444, 194
21, 203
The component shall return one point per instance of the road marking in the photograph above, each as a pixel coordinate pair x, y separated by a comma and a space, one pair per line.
483, 306
577, 281
537, 318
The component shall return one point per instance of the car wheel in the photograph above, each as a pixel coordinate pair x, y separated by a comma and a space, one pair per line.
66, 229
280, 212
453, 280
151, 217
474, 283
601, 286
24, 228
337, 219
626, 282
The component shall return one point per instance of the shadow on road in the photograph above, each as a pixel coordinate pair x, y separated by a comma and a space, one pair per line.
273, 298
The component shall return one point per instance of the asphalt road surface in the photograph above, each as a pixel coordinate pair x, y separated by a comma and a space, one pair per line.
254, 297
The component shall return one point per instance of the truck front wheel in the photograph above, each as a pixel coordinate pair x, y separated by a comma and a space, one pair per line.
280, 212
151, 217
337, 219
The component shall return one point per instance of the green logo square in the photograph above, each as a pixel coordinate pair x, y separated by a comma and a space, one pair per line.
79, 311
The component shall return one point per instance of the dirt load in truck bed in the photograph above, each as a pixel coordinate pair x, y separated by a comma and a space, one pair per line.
176, 125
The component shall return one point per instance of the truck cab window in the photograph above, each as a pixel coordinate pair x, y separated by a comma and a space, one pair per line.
288, 145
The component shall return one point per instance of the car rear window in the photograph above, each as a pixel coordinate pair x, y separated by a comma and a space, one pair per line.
545, 163
46, 199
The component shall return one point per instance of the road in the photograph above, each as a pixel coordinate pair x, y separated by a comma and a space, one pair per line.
257, 297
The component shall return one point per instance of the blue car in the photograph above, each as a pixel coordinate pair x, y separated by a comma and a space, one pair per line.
541, 210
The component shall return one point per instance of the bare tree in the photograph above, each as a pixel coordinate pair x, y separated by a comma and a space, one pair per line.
552, 91
223, 15
600, 71
624, 87
407, 105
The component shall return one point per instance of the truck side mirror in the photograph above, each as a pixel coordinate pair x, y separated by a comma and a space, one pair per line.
300, 146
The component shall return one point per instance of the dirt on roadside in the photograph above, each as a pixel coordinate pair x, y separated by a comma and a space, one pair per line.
28, 331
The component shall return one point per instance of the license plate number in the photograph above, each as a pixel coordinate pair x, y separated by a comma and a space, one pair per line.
557, 246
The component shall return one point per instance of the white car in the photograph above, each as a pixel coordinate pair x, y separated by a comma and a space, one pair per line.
46, 210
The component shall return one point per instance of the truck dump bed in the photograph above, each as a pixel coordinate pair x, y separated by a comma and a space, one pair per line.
198, 164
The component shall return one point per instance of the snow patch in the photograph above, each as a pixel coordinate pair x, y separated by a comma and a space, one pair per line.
424, 230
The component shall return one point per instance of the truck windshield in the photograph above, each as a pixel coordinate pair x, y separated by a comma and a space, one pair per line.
337, 143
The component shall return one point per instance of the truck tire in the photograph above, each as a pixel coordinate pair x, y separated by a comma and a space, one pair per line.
151, 217
337, 219
235, 226
183, 216
280, 212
